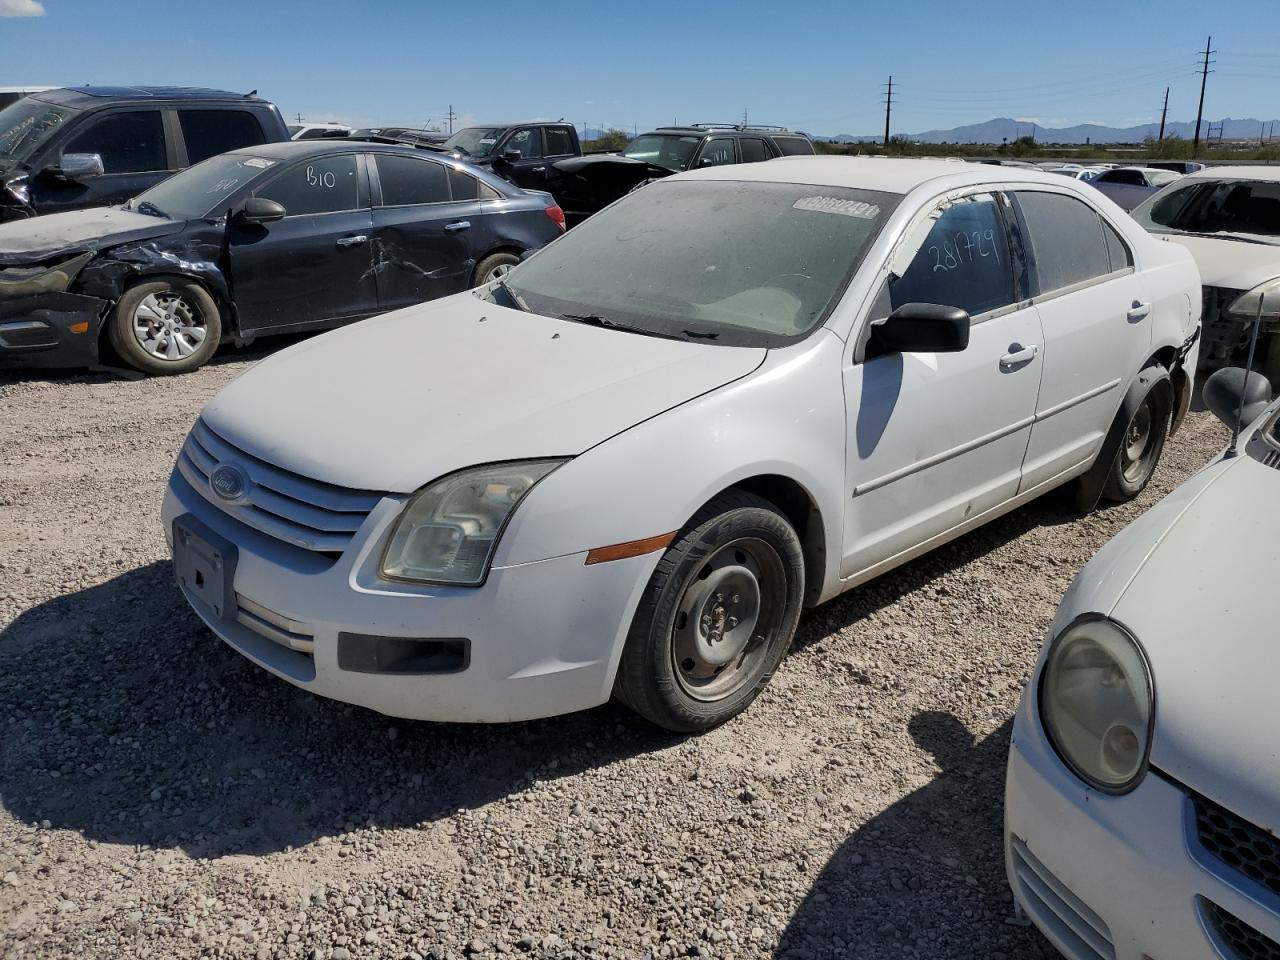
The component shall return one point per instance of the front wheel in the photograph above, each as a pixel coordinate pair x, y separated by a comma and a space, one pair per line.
717, 617
1140, 448
165, 326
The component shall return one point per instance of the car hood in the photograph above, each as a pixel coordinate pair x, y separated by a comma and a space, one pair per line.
1203, 609
57, 234
1231, 264
391, 403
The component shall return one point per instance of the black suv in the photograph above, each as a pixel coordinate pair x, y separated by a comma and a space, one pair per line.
78, 147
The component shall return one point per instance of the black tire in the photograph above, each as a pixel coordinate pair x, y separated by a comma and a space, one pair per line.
485, 268
189, 301
703, 568
1140, 448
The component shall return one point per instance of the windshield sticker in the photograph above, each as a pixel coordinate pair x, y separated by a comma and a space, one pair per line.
257, 162
845, 208
488, 141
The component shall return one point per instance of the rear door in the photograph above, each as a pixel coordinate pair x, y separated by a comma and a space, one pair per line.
426, 223
209, 131
314, 266
1097, 333
135, 151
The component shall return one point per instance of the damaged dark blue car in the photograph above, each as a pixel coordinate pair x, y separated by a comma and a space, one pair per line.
277, 238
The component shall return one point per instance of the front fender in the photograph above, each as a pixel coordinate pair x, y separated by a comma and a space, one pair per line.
194, 254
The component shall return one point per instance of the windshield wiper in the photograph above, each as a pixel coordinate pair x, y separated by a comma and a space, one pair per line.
1229, 235
595, 320
150, 209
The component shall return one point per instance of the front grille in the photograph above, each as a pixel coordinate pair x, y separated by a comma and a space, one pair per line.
1057, 911
1242, 940
1238, 843
307, 513
272, 626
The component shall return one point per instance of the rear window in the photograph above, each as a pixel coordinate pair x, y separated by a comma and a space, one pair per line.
211, 132
1065, 237
794, 146
559, 141
408, 180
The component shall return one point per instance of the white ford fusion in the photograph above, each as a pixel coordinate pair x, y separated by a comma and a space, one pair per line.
626, 466
1142, 804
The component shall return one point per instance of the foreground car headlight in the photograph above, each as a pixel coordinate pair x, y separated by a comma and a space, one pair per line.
448, 531
1096, 703
1246, 305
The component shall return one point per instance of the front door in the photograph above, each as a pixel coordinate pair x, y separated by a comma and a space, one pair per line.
937, 440
135, 156
315, 265
529, 169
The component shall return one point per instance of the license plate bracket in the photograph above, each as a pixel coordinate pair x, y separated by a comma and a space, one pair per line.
205, 565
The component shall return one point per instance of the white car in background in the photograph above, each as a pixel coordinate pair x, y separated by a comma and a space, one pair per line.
1129, 186
318, 130
626, 465
1229, 218
1142, 807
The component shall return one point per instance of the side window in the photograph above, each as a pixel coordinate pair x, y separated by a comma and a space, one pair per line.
753, 150
1065, 240
559, 141
322, 185
794, 146
408, 180
211, 132
528, 142
1118, 250
467, 187
717, 152
130, 142
964, 261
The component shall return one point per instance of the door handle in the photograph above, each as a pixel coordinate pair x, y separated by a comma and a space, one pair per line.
1018, 356
538, 169
352, 241
1138, 311
457, 225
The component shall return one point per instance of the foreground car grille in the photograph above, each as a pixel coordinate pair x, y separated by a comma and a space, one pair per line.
1238, 843
1058, 911
307, 513
1240, 938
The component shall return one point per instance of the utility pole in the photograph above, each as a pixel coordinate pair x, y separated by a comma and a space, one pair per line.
1163, 114
452, 117
888, 109
744, 116
1204, 76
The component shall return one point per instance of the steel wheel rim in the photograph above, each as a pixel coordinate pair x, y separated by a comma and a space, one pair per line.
497, 272
1138, 443
728, 613
167, 327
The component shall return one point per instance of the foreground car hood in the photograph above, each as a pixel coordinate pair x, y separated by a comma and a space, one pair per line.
55, 234
391, 403
1231, 264
1203, 606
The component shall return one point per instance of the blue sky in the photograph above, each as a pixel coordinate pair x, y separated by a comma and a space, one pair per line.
811, 65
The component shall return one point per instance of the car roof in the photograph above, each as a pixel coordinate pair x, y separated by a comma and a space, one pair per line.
298, 149
891, 175
83, 96
726, 128
1236, 173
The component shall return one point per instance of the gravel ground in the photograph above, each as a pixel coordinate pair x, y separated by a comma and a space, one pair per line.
162, 797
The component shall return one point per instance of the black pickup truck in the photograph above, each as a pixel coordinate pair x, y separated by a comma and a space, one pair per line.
77, 147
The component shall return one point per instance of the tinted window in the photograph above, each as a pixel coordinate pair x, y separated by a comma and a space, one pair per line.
322, 185
128, 142
1214, 206
559, 141
753, 150
211, 132
1117, 249
466, 187
408, 180
794, 146
1130, 177
1065, 239
964, 262
717, 153
527, 142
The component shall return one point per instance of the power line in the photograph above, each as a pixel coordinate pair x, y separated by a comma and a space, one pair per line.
1204, 79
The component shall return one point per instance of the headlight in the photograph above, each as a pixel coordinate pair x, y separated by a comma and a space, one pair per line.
448, 531
1096, 703
1246, 305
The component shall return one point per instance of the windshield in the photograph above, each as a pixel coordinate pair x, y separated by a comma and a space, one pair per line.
729, 262
475, 141
1247, 208
672, 152
201, 190
27, 124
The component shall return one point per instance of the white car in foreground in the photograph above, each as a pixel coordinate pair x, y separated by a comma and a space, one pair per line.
625, 466
1142, 805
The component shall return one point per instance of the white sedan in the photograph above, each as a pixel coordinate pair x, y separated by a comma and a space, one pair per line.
1142, 807
627, 465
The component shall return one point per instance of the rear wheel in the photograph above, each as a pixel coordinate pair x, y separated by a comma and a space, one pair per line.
1140, 449
165, 326
494, 267
716, 618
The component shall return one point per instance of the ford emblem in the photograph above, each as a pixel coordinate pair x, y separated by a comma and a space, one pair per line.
228, 482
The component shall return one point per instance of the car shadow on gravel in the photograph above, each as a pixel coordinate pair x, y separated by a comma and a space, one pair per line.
123, 718
921, 876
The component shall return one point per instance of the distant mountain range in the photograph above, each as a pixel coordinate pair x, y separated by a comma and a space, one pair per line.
1003, 128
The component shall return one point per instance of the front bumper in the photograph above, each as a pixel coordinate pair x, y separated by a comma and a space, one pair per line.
543, 638
1117, 878
51, 329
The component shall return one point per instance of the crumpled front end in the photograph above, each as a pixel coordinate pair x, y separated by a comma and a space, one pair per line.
44, 325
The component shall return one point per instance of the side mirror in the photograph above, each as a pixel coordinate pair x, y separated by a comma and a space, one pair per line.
511, 156
79, 166
920, 328
1226, 388
260, 210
